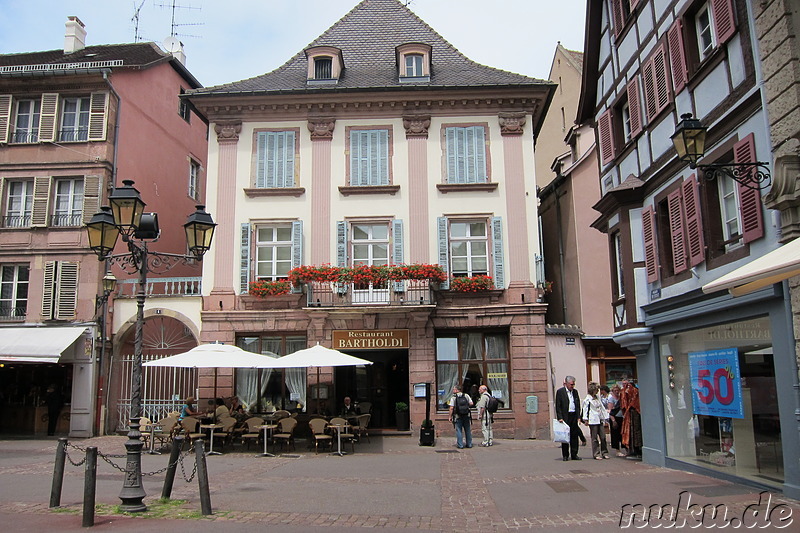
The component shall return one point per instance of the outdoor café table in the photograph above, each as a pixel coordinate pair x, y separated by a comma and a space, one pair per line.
338, 428
211, 427
267, 429
152, 450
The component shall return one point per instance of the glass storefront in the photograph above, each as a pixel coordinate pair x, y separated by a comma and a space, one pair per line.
720, 401
470, 360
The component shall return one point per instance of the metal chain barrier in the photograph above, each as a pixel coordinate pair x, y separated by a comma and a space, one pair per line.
107, 459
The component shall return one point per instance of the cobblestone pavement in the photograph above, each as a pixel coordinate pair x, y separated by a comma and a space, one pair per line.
390, 483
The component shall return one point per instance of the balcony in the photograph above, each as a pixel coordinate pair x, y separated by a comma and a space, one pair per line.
16, 221
12, 313
186, 286
390, 293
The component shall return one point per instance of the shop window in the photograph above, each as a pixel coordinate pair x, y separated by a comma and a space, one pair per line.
276, 152
266, 390
13, 292
472, 359
720, 402
466, 154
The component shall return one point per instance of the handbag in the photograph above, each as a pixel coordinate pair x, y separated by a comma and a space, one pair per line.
560, 432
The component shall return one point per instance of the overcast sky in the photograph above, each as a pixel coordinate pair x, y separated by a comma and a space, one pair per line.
230, 40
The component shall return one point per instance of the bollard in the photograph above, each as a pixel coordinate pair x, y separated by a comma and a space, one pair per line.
202, 477
58, 472
89, 486
169, 478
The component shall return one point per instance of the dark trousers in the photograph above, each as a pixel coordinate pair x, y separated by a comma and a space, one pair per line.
616, 433
571, 449
52, 419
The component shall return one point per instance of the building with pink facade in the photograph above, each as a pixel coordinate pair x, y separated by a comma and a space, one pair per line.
378, 145
73, 124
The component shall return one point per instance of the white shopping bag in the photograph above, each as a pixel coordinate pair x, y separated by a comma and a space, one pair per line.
560, 432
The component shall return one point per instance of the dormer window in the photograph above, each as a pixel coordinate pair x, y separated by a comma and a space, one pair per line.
325, 65
414, 62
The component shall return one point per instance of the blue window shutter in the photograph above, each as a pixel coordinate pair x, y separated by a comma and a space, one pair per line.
244, 281
444, 250
450, 141
261, 157
288, 175
355, 158
397, 250
479, 156
297, 248
383, 157
497, 255
276, 159
341, 250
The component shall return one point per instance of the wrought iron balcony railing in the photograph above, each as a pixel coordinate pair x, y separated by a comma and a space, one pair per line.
390, 293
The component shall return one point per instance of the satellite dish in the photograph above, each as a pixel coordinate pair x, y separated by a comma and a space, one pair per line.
172, 45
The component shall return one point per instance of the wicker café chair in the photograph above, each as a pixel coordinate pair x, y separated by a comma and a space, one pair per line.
191, 429
165, 429
285, 433
360, 430
318, 435
347, 434
252, 432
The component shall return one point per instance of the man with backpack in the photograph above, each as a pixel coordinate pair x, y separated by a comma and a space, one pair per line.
487, 407
461, 416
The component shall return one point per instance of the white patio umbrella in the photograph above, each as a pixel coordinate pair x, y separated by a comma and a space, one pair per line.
216, 356
317, 357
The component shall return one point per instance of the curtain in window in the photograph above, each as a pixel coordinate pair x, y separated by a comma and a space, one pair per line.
296, 382
448, 378
473, 346
496, 347
247, 386
499, 384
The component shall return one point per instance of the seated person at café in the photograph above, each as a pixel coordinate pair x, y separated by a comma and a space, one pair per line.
221, 410
322, 408
348, 409
188, 408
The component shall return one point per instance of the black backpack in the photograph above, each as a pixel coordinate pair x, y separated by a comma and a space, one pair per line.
462, 405
492, 405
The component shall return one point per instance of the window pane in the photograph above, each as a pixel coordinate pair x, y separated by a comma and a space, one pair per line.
473, 345
360, 232
447, 349
380, 251
284, 234
477, 229
496, 347
380, 232
265, 234
264, 253
360, 252
459, 249
284, 253
458, 229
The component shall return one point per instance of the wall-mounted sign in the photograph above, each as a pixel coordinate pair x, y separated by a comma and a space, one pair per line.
716, 383
496, 375
371, 339
570, 341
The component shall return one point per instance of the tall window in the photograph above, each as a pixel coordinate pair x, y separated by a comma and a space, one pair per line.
729, 212
370, 245
194, 180
26, 127
466, 154
74, 119
273, 252
275, 159
183, 107
19, 203
473, 359
414, 65
264, 390
323, 68
704, 28
369, 157
619, 279
469, 248
13, 292
60, 290
68, 210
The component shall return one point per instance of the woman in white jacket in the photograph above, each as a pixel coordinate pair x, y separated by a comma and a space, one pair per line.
595, 415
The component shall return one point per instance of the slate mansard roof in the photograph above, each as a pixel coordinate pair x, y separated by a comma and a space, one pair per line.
131, 55
368, 36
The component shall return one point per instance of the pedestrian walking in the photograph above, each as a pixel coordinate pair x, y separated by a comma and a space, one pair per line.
461, 416
568, 407
595, 416
485, 416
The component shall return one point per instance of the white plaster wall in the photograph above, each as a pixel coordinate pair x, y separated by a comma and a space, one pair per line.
712, 90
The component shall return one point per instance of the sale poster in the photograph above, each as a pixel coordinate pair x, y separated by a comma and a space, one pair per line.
716, 383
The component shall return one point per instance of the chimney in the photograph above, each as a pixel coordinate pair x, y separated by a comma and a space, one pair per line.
175, 47
75, 36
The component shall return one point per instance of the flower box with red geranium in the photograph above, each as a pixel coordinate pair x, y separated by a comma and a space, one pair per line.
471, 283
307, 273
263, 288
418, 271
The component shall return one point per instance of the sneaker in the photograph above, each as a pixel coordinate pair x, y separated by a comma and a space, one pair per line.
485, 444
491, 443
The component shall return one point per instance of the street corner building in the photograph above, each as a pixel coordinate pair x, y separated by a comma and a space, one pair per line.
376, 194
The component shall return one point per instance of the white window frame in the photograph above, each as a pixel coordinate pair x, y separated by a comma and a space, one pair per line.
78, 118
471, 255
68, 204
279, 251
194, 180
626, 121
414, 65
372, 242
275, 159
19, 203
465, 148
618, 265
703, 49
369, 157
730, 212
14, 291
28, 133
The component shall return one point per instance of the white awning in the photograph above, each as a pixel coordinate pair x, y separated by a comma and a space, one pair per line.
776, 266
37, 345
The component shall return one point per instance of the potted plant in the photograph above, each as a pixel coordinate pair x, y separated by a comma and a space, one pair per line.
427, 435
264, 287
402, 416
471, 283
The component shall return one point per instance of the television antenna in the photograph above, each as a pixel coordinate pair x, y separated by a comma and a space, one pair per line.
135, 20
174, 6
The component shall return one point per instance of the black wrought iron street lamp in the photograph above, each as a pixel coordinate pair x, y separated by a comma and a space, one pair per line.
126, 217
690, 143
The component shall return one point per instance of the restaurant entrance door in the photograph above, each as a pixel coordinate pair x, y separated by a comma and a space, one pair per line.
378, 386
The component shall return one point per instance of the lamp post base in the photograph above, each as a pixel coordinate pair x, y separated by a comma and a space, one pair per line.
133, 492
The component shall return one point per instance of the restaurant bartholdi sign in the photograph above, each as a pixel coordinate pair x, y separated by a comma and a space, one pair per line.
370, 339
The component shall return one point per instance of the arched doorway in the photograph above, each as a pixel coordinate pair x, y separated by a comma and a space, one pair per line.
163, 389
